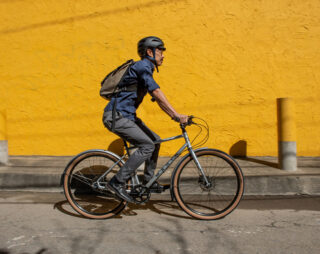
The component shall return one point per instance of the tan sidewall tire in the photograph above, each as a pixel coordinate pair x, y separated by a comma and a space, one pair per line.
195, 215
67, 194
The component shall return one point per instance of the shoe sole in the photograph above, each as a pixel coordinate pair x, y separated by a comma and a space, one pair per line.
156, 190
118, 194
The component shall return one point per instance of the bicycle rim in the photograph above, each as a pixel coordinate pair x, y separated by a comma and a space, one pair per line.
86, 200
213, 201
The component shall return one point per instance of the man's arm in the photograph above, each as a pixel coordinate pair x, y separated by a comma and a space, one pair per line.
166, 106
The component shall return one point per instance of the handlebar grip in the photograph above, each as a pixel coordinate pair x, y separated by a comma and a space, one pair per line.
190, 122
175, 118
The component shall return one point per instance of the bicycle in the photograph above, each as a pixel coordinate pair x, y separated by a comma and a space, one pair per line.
206, 183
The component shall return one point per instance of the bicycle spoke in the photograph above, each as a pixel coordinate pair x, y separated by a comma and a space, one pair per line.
81, 179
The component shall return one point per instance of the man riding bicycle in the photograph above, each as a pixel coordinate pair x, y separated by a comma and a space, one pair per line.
128, 126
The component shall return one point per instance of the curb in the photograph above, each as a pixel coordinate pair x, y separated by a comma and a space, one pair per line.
260, 179
254, 185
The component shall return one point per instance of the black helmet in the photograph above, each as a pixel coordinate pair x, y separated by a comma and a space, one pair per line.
151, 42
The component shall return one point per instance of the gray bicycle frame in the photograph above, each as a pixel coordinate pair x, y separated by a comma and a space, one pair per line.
187, 144
177, 154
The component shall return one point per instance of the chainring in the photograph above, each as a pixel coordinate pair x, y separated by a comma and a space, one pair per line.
140, 194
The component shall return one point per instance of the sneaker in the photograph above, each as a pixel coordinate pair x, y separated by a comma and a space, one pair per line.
119, 189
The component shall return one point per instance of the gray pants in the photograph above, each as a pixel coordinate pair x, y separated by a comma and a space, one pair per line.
138, 134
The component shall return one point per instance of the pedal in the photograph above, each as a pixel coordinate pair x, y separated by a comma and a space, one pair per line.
166, 186
161, 189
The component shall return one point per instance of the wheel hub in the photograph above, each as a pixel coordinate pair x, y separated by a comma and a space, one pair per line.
204, 186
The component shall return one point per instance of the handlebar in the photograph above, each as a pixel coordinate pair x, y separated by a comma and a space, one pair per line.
201, 124
190, 122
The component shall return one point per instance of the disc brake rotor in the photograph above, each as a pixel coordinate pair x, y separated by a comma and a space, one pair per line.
203, 184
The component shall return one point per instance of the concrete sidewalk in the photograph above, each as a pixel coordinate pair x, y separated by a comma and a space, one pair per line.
262, 177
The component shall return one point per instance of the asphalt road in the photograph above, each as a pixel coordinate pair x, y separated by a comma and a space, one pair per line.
35, 222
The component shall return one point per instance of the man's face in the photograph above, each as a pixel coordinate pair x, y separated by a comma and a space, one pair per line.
158, 55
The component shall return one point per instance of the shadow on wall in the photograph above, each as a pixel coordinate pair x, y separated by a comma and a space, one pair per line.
239, 151
89, 16
117, 147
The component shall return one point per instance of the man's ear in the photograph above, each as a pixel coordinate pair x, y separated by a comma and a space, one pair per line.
150, 52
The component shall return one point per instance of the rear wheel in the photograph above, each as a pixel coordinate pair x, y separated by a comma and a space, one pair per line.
81, 191
212, 200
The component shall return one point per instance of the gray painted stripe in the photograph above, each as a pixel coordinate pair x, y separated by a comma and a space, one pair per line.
4, 151
288, 155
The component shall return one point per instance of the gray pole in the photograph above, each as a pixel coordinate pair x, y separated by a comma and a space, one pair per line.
3, 139
287, 134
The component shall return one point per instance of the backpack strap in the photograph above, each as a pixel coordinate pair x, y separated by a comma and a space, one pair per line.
129, 88
114, 109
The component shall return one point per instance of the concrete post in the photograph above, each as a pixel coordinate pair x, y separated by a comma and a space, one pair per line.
3, 139
287, 134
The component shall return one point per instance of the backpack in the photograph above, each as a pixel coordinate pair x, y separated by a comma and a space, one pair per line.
110, 84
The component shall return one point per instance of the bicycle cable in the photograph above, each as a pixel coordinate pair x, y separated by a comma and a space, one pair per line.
201, 127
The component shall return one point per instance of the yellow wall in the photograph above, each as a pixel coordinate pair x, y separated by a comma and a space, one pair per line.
227, 62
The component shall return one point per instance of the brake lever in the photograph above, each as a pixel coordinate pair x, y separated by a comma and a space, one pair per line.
190, 120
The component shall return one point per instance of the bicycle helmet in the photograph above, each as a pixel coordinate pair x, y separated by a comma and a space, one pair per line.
150, 42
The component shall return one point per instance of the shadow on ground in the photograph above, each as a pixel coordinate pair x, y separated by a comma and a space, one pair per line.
42, 251
171, 208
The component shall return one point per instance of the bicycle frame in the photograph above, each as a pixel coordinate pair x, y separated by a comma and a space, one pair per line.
187, 144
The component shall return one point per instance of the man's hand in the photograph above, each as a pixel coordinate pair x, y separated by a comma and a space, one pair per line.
181, 118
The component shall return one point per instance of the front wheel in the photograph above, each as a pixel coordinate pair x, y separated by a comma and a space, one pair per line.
213, 199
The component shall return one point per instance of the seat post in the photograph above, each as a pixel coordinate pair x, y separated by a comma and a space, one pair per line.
126, 146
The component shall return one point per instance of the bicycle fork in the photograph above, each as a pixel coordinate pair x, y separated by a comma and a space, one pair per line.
194, 157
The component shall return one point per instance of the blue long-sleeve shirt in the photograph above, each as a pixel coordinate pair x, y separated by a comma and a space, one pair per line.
140, 72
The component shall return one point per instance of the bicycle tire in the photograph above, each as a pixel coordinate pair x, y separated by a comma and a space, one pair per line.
87, 201
225, 190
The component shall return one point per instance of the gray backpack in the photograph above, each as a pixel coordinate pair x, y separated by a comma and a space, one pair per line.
110, 84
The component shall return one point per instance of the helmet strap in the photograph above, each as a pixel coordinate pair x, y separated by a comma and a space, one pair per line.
154, 58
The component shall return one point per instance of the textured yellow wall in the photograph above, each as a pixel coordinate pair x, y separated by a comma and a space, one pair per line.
227, 62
